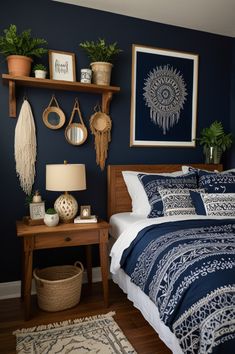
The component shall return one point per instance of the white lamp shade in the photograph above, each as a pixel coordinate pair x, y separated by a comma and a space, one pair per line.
65, 177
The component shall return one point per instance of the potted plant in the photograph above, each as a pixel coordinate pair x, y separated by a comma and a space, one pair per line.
19, 49
215, 141
40, 71
101, 55
51, 217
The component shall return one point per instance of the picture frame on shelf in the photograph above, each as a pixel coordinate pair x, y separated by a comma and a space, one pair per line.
62, 65
85, 212
164, 97
37, 210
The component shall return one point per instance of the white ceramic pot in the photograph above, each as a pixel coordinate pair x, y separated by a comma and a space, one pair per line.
51, 219
40, 74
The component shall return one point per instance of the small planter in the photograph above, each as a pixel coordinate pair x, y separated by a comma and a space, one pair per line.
212, 155
101, 73
40, 74
51, 219
19, 65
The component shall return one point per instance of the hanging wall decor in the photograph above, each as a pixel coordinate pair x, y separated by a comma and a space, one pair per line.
101, 124
53, 116
25, 147
76, 133
164, 97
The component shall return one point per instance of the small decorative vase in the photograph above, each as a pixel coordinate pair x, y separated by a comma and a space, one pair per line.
212, 154
51, 219
40, 74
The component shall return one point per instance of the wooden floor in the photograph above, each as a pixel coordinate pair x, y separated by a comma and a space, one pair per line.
137, 330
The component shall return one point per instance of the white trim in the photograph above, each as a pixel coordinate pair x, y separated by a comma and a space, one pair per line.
12, 289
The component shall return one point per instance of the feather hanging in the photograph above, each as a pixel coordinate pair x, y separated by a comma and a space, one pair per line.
25, 148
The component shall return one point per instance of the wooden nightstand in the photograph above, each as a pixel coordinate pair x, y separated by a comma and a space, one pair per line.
63, 235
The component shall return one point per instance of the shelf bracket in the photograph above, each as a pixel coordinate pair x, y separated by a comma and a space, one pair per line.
12, 99
106, 99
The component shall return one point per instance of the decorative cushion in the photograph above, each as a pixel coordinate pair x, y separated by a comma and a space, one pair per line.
177, 201
151, 183
214, 204
187, 169
139, 199
217, 182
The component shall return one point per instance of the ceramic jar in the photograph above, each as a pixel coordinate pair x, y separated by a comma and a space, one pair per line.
51, 219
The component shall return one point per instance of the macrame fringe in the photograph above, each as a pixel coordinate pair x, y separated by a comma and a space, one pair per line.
25, 148
64, 323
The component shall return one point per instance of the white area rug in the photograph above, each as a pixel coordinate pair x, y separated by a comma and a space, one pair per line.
97, 334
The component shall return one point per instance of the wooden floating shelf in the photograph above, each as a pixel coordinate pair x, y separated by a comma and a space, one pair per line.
13, 81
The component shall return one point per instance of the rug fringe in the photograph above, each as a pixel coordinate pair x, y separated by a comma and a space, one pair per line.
63, 323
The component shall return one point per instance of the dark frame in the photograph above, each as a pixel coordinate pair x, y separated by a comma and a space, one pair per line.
164, 97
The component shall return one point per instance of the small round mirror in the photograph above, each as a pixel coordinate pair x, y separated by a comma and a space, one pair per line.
76, 133
53, 117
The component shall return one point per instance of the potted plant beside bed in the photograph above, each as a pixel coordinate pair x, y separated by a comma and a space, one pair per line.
19, 49
101, 55
215, 141
40, 71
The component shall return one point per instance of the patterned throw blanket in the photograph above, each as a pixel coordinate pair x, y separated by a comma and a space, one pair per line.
187, 268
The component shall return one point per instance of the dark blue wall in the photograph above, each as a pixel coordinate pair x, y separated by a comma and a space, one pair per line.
64, 27
232, 107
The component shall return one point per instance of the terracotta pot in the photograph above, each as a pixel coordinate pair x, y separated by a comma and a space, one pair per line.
19, 65
101, 73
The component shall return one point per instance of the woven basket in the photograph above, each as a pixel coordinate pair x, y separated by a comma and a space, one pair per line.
59, 288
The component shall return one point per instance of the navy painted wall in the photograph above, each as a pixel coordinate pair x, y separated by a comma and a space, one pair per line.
232, 107
64, 27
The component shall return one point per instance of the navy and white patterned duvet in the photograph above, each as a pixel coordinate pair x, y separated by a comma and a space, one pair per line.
187, 268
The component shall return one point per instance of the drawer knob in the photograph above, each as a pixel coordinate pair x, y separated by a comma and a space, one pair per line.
67, 239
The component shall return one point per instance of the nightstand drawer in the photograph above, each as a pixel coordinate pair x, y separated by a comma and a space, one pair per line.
66, 239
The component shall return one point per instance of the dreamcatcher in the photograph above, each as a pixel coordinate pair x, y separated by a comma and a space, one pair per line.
101, 124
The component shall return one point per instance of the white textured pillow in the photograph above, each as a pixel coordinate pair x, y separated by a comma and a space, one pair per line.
139, 199
177, 201
214, 204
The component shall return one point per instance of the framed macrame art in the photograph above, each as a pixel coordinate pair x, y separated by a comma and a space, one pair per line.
164, 97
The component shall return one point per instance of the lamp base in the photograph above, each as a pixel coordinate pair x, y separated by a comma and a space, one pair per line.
66, 206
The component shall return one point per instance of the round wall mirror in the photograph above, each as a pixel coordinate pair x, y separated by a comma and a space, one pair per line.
76, 133
53, 116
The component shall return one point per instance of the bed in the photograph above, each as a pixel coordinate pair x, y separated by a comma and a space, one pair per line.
130, 267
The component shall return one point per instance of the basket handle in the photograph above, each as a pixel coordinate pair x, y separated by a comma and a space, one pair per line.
79, 264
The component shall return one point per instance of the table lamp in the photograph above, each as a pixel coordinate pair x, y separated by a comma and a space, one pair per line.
67, 178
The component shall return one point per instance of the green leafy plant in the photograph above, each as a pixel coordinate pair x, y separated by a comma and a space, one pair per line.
100, 50
29, 199
214, 136
51, 211
39, 67
13, 43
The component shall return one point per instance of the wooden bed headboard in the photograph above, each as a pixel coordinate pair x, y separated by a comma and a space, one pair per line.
118, 196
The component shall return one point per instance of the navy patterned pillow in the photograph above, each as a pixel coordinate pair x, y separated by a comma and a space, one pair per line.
214, 204
217, 182
151, 183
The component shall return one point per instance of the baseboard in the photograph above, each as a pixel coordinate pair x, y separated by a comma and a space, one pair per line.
12, 289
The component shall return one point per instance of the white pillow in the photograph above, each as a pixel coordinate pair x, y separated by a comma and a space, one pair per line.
139, 199
185, 169
177, 201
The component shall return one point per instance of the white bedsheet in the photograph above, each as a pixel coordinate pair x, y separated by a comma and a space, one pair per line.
134, 293
121, 221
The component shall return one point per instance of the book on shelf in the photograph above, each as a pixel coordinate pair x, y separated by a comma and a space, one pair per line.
91, 219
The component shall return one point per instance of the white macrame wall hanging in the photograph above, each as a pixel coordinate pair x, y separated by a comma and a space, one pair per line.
25, 148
